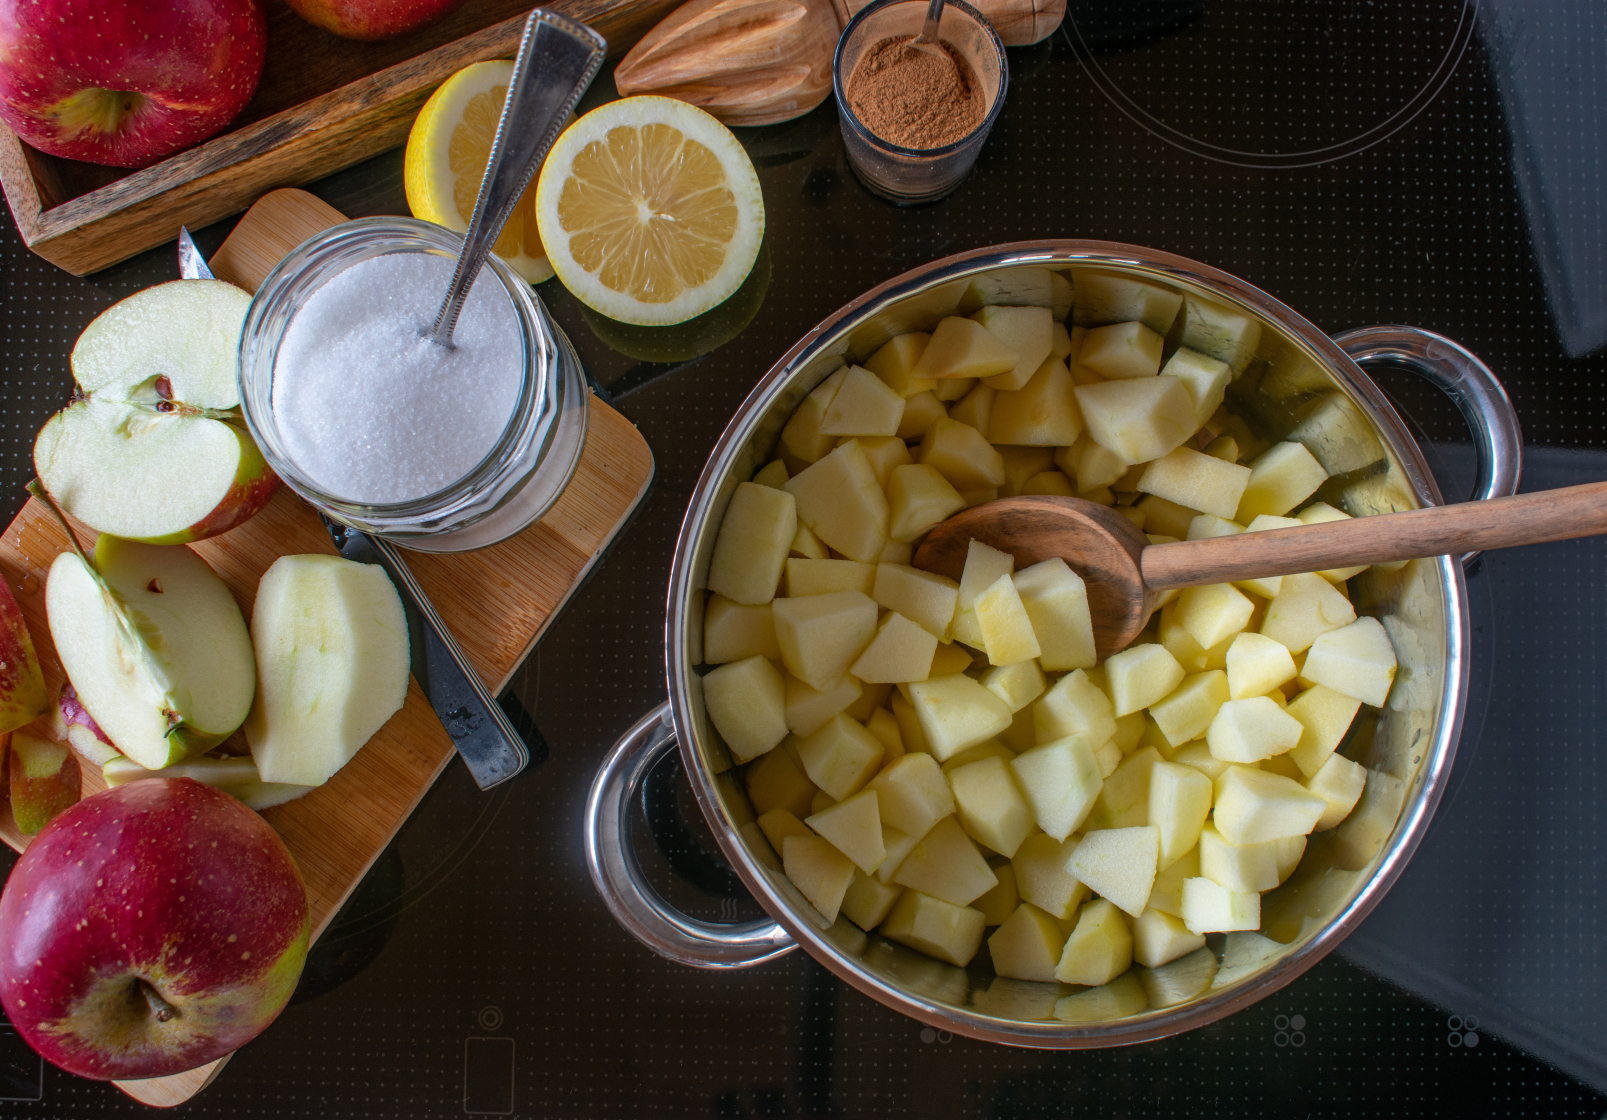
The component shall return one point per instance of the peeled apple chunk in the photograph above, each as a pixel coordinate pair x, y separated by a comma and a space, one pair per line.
1137, 419
819, 870
747, 702
939, 929
842, 503
821, 635
332, 662
1253, 805
956, 712
159, 653
1119, 864
1099, 949
1356, 660
154, 449
751, 550
963, 348
1027, 946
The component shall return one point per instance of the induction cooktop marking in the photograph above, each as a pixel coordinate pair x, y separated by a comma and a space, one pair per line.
1311, 157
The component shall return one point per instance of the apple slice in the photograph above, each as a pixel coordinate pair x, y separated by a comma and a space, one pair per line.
155, 646
44, 781
332, 654
22, 688
71, 724
236, 776
154, 448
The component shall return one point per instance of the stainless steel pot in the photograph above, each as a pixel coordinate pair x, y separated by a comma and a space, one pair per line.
1301, 385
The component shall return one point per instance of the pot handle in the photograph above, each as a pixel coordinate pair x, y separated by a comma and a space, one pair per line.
1458, 373
617, 875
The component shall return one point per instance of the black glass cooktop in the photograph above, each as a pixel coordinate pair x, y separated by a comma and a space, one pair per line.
1431, 163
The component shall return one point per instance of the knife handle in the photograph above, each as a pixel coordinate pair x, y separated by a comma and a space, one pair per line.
480, 730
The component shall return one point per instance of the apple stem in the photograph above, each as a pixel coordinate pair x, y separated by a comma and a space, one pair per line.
37, 489
161, 1010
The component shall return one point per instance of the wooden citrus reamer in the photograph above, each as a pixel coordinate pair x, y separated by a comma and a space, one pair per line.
1124, 572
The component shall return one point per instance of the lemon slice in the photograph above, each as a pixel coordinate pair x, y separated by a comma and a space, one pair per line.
447, 151
650, 210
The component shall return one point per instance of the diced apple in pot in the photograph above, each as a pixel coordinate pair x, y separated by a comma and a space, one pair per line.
823, 577
1220, 332
1325, 716
842, 503
332, 663
1042, 877
863, 405
1213, 614
1026, 332
1137, 419
776, 780
854, 828
1305, 607
1197, 481
867, 901
1257, 665
1209, 908
1160, 938
940, 929
956, 712
990, 804
922, 597
840, 757
1043, 412
901, 652
778, 824
946, 864
1206, 380
1060, 781
983, 567
1056, 601
1099, 949
1186, 712
1073, 705
44, 780
755, 536
1238, 867
1339, 783
1285, 475
1356, 660
895, 364
960, 454
822, 635
1179, 800
1141, 675
746, 701
773, 474
819, 870
1167, 894
1251, 729
1007, 634
1319, 513
1121, 351
734, 632
1252, 805
806, 709
963, 348
999, 901
1028, 945
1119, 864
802, 438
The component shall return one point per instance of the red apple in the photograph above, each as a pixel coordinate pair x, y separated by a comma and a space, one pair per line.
44, 781
23, 698
372, 19
149, 929
126, 82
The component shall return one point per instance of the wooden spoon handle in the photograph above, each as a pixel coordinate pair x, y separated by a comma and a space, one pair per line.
1549, 515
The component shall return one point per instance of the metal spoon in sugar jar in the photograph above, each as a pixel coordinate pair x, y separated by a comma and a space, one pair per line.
1124, 573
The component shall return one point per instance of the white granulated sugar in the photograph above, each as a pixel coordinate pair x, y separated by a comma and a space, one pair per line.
371, 409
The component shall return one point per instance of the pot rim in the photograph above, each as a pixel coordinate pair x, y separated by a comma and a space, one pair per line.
1424, 790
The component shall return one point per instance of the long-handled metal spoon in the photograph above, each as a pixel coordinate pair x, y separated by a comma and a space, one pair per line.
927, 40
558, 58
1123, 571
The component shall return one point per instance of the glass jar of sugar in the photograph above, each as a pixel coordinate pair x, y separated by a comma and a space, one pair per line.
435, 449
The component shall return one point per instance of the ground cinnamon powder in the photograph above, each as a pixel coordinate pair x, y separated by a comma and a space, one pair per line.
914, 97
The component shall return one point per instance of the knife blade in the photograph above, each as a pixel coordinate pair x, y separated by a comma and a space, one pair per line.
192, 265
476, 723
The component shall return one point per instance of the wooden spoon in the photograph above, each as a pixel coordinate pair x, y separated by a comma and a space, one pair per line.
1124, 571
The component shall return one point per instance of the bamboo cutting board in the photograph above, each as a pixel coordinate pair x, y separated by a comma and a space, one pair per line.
497, 602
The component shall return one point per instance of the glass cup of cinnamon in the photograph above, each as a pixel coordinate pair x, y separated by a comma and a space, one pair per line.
914, 117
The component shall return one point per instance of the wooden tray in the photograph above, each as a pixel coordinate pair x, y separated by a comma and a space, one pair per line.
497, 602
324, 103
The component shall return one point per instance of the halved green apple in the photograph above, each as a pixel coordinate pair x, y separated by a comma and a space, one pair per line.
155, 646
154, 449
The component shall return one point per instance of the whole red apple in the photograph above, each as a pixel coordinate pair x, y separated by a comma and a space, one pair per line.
149, 929
372, 19
126, 82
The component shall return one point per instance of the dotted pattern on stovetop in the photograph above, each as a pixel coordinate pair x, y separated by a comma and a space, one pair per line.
479, 925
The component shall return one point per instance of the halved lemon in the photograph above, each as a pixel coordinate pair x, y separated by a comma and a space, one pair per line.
650, 210
447, 151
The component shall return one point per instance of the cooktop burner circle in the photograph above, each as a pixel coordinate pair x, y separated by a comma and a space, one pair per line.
1258, 83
